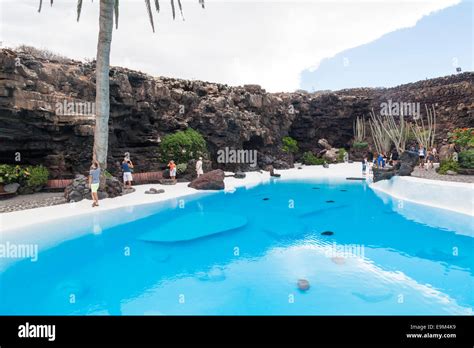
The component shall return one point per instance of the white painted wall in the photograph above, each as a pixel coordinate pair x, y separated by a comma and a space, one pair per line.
454, 196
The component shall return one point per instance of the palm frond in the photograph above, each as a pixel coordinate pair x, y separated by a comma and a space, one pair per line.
40, 5
116, 12
150, 14
172, 9
157, 6
180, 9
79, 9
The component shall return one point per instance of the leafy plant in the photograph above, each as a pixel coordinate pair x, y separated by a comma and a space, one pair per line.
31, 176
360, 145
448, 165
466, 159
11, 173
463, 137
340, 155
37, 176
182, 146
310, 159
290, 145
181, 168
107, 174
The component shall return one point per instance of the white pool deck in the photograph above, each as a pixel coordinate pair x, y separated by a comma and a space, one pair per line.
457, 197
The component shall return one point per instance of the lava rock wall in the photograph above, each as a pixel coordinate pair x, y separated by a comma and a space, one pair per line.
47, 114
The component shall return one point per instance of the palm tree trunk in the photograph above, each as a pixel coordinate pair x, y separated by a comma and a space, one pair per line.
101, 132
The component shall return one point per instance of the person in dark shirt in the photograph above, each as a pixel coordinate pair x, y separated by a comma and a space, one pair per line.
395, 156
127, 167
370, 155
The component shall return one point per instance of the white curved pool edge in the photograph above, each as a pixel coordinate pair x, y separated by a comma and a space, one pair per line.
453, 196
17, 220
458, 197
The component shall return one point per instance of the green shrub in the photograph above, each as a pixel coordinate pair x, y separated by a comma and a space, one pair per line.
182, 146
37, 176
448, 165
310, 159
462, 137
340, 155
466, 159
11, 173
290, 145
181, 168
360, 145
107, 174
31, 176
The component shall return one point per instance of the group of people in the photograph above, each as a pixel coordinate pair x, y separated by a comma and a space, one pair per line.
172, 167
127, 170
425, 157
381, 160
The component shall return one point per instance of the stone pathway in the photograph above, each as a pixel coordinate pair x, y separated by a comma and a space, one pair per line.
36, 200
431, 174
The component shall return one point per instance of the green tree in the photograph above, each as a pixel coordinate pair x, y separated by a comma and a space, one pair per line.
182, 146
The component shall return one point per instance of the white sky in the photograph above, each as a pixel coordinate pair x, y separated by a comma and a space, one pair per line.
235, 42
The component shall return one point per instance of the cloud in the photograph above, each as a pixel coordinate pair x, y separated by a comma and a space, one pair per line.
233, 42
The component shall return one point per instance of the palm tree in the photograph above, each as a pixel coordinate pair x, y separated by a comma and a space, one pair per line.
108, 10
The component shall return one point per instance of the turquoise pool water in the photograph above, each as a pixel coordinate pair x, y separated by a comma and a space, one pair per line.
376, 257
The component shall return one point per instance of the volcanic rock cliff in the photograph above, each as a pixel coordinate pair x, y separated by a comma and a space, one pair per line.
36, 125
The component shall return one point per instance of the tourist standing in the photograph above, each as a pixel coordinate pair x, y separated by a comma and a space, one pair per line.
94, 182
421, 155
380, 160
127, 167
434, 152
430, 159
364, 166
199, 170
395, 156
172, 167
370, 155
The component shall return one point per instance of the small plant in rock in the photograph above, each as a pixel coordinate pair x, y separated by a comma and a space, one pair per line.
466, 159
448, 165
290, 145
340, 155
310, 159
181, 168
107, 174
360, 145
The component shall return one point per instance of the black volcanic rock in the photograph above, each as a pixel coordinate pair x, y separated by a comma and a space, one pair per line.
213, 180
143, 109
407, 162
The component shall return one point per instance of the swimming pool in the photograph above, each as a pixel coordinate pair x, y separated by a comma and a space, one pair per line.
361, 254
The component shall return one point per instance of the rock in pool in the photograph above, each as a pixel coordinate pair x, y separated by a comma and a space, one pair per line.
303, 284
